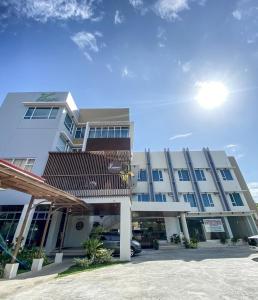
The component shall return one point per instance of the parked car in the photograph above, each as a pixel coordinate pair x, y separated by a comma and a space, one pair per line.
111, 240
253, 242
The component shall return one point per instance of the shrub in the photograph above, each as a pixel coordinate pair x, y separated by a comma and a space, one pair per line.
234, 240
96, 232
103, 256
92, 246
245, 239
223, 240
193, 244
1, 270
82, 262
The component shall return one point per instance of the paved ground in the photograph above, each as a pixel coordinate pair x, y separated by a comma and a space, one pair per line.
222, 273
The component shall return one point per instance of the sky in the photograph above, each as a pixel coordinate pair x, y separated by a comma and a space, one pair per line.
148, 55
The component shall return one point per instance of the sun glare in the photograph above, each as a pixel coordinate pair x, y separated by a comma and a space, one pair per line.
211, 94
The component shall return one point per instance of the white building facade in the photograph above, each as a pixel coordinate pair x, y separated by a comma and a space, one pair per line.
197, 193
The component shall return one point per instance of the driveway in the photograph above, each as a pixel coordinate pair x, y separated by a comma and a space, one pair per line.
217, 273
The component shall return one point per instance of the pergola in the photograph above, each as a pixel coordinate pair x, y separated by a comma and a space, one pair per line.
15, 178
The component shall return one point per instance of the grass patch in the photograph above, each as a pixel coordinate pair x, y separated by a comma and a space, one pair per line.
75, 269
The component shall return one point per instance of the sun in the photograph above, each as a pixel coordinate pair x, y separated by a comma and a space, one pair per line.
211, 94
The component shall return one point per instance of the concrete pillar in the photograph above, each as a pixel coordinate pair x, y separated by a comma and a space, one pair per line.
125, 229
228, 228
27, 227
53, 231
184, 226
252, 225
171, 226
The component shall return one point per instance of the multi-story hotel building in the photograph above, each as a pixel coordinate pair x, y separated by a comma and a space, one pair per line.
88, 153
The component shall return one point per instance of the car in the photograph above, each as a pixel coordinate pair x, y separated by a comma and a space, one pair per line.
253, 242
111, 240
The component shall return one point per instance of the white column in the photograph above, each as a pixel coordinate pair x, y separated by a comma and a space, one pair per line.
86, 135
26, 231
228, 228
53, 231
184, 226
125, 229
171, 226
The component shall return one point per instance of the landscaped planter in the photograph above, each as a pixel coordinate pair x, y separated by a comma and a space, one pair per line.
10, 270
59, 258
37, 264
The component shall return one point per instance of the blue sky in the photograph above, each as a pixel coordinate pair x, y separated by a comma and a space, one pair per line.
147, 55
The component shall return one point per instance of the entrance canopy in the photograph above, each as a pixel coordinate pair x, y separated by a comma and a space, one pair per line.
12, 177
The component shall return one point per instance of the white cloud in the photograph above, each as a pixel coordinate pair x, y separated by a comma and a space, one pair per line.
180, 136
237, 14
186, 67
118, 19
253, 187
126, 73
234, 150
44, 10
169, 9
87, 42
136, 3
109, 67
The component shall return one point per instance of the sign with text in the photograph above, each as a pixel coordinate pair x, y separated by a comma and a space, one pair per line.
213, 225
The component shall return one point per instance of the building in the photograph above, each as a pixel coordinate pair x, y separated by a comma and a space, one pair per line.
88, 153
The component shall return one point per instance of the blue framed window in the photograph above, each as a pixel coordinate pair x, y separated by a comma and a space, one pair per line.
160, 197
69, 124
183, 175
157, 175
207, 200
143, 197
190, 198
199, 174
79, 133
236, 199
142, 175
226, 174
109, 132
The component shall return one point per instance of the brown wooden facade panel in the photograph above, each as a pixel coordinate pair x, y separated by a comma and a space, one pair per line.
107, 144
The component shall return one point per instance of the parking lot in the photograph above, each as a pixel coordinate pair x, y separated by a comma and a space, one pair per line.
216, 273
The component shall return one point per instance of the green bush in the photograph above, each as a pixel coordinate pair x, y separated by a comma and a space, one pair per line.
1, 270
103, 256
92, 246
82, 262
223, 240
96, 232
156, 244
234, 240
193, 244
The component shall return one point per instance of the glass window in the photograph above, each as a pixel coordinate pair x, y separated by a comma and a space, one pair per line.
92, 132
226, 174
236, 199
157, 175
143, 197
62, 146
29, 112
111, 132
142, 175
41, 113
105, 132
124, 132
207, 200
68, 122
117, 132
160, 198
98, 132
79, 133
183, 175
53, 113
200, 175
23, 163
190, 198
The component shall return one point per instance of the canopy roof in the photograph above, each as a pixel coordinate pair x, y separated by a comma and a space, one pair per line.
12, 177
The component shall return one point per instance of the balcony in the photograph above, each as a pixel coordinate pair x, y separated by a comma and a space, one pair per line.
90, 174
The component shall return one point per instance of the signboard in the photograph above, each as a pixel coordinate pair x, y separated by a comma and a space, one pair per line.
47, 97
213, 225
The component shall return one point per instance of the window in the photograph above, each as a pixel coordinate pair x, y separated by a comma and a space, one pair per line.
160, 198
62, 146
157, 175
183, 175
79, 133
200, 175
142, 175
207, 200
23, 163
68, 122
143, 197
226, 174
190, 198
236, 199
109, 132
41, 113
